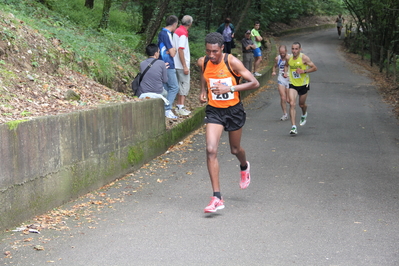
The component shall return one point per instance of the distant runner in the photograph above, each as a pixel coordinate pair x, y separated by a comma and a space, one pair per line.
340, 23
300, 66
283, 83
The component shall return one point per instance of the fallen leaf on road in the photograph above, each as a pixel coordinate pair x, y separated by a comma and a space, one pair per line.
38, 247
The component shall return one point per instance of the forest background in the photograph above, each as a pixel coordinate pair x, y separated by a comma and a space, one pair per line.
104, 40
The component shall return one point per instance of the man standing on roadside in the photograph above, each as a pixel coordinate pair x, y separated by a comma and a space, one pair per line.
300, 66
167, 53
247, 50
182, 63
256, 38
225, 111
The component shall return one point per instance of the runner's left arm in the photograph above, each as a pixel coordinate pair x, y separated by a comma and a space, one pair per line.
311, 66
239, 68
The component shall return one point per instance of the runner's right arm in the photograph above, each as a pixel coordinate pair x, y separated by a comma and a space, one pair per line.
203, 97
286, 67
274, 66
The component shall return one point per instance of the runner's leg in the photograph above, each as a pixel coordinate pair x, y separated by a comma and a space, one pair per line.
283, 97
213, 134
293, 94
302, 103
235, 146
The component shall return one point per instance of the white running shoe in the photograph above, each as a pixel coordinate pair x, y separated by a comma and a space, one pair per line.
284, 117
303, 119
170, 114
182, 111
293, 130
256, 74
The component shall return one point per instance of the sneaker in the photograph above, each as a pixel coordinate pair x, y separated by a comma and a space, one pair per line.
303, 120
182, 111
214, 205
170, 114
293, 131
256, 74
245, 178
284, 117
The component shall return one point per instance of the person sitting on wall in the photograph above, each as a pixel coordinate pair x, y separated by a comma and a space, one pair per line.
152, 83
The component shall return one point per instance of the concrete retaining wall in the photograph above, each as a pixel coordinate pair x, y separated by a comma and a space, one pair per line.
48, 161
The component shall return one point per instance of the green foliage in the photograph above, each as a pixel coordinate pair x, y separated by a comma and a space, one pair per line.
197, 43
25, 113
110, 53
379, 24
102, 55
119, 20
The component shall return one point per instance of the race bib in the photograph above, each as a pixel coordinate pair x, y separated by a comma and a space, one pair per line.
295, 75
225, 96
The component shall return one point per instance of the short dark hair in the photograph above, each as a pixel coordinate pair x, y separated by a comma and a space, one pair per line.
151, 49
297, 43
214, 38
172, 19
227, 20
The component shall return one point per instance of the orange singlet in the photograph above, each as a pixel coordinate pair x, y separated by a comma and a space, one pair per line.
220, 74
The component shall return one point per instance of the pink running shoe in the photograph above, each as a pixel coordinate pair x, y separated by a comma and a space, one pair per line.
245, 178
214, 205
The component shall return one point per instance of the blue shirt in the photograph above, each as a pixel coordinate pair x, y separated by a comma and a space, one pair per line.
164, 44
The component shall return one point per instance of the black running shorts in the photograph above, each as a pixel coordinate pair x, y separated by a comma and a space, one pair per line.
302, 90
232, 118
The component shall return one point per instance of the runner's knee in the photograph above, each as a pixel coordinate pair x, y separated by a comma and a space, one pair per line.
235, 150
211, 151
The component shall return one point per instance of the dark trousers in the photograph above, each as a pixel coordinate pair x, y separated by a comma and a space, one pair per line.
227, 47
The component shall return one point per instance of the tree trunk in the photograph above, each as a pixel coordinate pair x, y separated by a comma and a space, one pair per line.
228, 9
147, 10
155, 22
208, 18
89, 4
46, 3
124, 5
243, 16
105, 18
394, 69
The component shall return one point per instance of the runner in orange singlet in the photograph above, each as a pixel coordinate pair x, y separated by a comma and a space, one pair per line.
219, 86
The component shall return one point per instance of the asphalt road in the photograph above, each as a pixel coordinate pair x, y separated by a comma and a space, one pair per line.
327, 196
